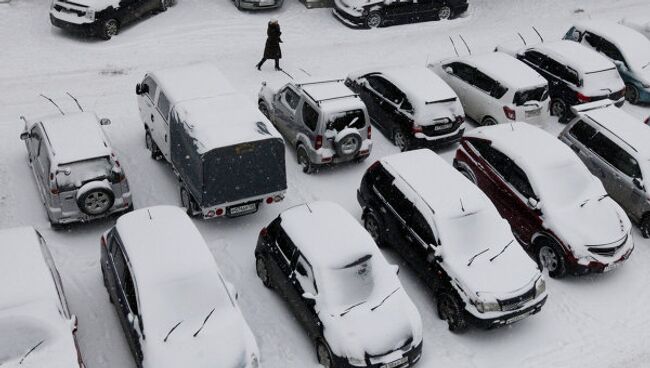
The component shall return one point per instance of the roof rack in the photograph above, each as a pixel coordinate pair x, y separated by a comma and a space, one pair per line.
320, 82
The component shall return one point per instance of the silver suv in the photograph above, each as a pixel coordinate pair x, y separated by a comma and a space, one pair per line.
615, 147
77, 173
324, 120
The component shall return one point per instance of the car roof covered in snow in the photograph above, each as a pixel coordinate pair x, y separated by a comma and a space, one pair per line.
505, 69
427, 176
634, 46
625, 126
75, 137
577, 56
326, 234
192, 82
331, 95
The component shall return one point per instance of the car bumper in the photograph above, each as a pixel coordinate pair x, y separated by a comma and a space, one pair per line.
505, 319
81, 28
348, 19
578, 269
411, 358
327, 156
259, 5
57, 216
422, 141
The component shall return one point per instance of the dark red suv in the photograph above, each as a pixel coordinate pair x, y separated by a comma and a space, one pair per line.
557, 209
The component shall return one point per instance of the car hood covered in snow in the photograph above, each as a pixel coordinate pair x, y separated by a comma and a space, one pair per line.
98, 4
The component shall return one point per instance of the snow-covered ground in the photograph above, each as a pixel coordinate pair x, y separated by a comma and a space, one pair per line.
596, 321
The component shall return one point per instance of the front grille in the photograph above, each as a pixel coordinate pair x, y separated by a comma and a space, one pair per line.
518, 301
609, 250
72, 3
405, 347
430, 130
68, 10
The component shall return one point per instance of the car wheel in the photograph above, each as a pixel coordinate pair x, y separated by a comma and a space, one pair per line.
632, 94
324, 355
451, 310
264, 109
188, 202
95, 201
558, 108
468, 174
645, 226
373, 225
400, 139
262, 271
444, 13
488, 121
374, 19
110, 28
348, 145
550, 257
303, 160
152, 147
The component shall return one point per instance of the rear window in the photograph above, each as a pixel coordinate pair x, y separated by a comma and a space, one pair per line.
82, 172
353, 119
534, 94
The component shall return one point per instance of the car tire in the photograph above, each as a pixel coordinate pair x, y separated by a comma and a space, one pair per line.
152, 146
445, 13
559, 108
450, 309
303, 160
264, 109
401, 140
348, 145
324, 354
551, 257
374, 19
632, 94
96, 201
263, 272
489, 121
109, 28
645, 226
188, 202
374, 225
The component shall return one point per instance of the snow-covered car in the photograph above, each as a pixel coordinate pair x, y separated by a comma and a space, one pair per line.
496, 88
341, 288
102, 18
77, 172
36, 327
557, 209
457, 242
576, 74
378, 13
175, 307
257, 4
614, 147
640, 23
410, 105
323, 120
227, 156
627, 48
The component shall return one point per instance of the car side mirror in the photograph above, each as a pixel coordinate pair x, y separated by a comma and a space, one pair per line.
66, 171
533, 203
25, 136
141, 89
449, 70
138, 89
637, 183
105, 121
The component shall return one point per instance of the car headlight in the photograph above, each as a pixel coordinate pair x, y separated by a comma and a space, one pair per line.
356, 361
90, 14
483, 307
540, 287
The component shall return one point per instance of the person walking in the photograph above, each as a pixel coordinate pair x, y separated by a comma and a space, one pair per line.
272, 49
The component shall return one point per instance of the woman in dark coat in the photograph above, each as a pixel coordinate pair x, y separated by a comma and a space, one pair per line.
272, 48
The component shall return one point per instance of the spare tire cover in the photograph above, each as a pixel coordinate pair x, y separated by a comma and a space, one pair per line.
348, 142
95, 198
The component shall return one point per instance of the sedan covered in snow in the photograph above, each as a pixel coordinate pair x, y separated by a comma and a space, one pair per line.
175, 307
557, 209
340, 287
457, 242
36, 327
378, 13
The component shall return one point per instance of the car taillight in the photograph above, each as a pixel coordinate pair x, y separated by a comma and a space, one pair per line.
510, 113
460, 119
416, 128
582, 98
374, 166
54, 188
369, 131
103, 241
319, 142
269, 200
219, 211
264, 232
647, 121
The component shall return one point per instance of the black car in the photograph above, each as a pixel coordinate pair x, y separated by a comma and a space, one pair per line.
377, 13
340, 287
413, 107
90, 18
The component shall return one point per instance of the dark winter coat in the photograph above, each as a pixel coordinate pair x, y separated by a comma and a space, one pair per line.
272, 49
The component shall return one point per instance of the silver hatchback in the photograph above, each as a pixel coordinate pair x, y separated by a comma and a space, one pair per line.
616, 149
76, 171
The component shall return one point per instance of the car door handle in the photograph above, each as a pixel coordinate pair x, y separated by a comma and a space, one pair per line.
165, 138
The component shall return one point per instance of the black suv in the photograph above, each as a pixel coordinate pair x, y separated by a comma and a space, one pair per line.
377, 13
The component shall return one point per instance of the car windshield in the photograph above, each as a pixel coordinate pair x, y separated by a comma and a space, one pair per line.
350, 285
531, 94
83, 171
20, 338
352, 119
566, 184
473, 232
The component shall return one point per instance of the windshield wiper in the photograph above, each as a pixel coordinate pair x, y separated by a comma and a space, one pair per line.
172, 330
30, 351
383, 300
502, 250
469, 263
204, 322
350, 308
589, 199
603, 197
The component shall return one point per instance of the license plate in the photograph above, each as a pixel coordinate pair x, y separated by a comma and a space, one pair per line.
396, 363
612, 266
242, 210
532, 113
517, 318
443, 126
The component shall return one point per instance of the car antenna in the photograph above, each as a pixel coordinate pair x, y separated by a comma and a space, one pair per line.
454, 45
204, 322
289, 75
522, 39
468, 49
172, 330
539, 34
76, 101
53, 103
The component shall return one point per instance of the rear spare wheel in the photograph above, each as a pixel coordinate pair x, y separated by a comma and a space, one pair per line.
95, 198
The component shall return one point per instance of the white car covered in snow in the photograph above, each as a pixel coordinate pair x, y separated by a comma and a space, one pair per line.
639, 22
36, 327
496, 88
455, 239
341, 288
175, 307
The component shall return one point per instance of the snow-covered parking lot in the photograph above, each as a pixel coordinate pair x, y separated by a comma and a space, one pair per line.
596, 321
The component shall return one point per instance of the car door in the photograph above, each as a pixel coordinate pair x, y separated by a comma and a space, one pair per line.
285, 107
400, 10
386, 192
421, 245
34, 147
461, 80
304, 282
280, 255
146, 101
524, 220
383, 111
481, 96
578, 138
307, 121
161, 117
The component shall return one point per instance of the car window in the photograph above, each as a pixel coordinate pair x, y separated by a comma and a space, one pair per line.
310, 116
498, 160
163, 105
462, 71
43, 157
483, 82
583, 132
531, 94
152, 87
611, 51
421, 227
285, 245
535, 57
593, 40
519, 180
353, 119
384, 183
386, 89
305, 275
118, 260
290, 98
615, 156
129, 291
